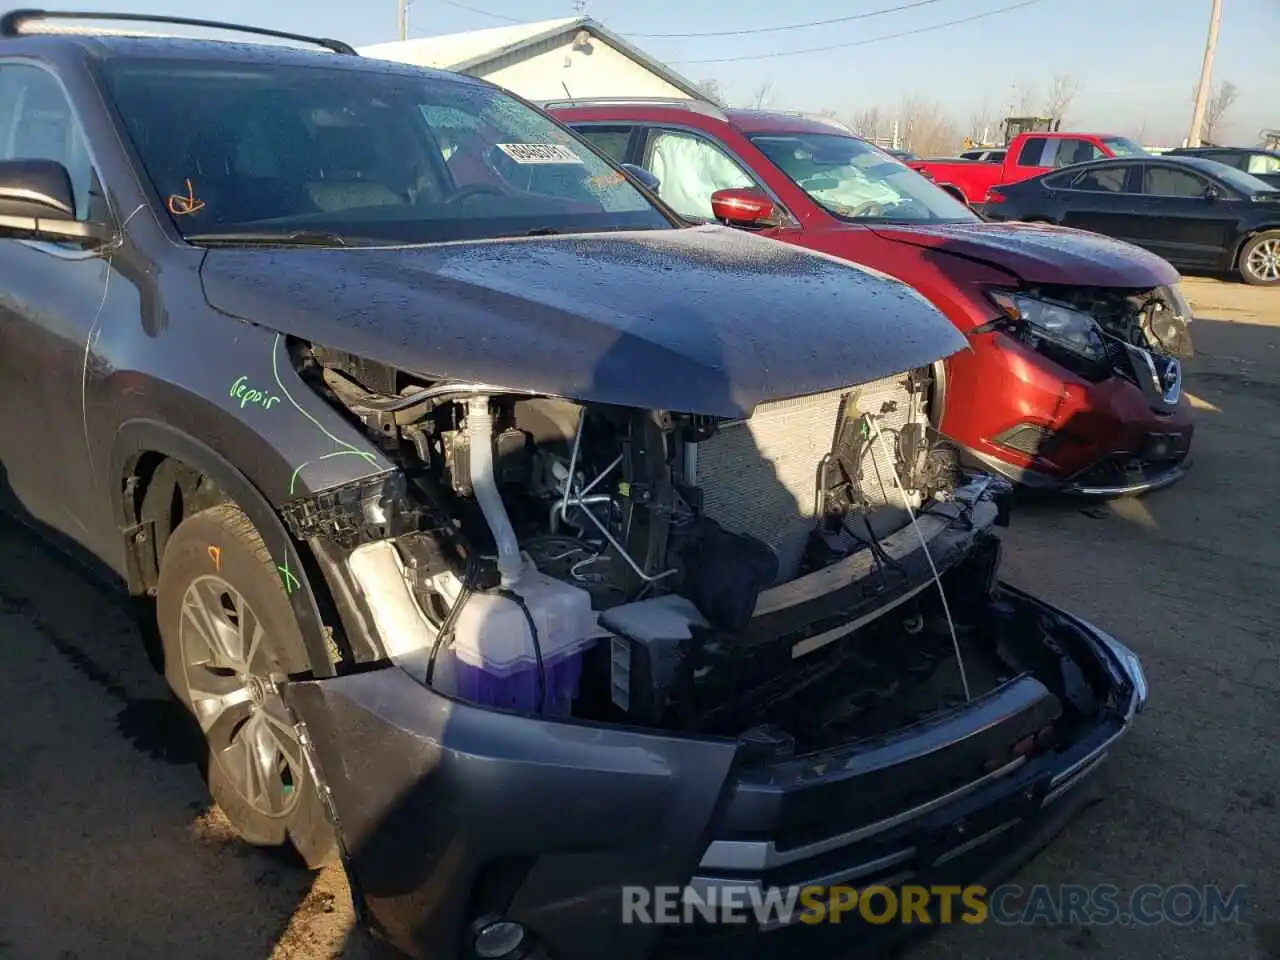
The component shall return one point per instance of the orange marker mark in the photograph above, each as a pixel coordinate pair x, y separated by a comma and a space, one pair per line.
607, 180
181, 206
215, 554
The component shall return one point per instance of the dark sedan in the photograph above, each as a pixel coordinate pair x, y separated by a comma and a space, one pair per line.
1263, 164
1196, 213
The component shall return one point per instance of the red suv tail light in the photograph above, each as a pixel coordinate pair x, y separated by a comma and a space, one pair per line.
995, 196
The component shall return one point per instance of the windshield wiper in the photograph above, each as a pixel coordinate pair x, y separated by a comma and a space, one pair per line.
541, 232
283, 238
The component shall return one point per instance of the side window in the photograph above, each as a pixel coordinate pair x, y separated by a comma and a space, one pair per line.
1071, 151
1103, 180
1032, 152
1263, 163
36, 123
611, 141
690, 169
1168, 182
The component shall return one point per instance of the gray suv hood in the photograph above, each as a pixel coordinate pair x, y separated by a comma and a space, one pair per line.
705, 320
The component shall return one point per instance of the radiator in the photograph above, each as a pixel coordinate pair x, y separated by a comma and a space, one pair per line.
760, 476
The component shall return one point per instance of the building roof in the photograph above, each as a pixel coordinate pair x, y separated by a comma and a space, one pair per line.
453, 49
472, 51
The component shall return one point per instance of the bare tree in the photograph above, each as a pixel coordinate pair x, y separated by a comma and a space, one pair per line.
1062, 93
1216, 109
1023, 96
926, 129
762, 94
867, 122
712, 89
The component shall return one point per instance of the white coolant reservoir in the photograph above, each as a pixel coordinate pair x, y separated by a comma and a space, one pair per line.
492, 649
491, 658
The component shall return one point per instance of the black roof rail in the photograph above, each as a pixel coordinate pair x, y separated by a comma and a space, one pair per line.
11, 25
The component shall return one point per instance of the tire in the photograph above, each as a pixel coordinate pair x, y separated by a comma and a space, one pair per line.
1259, 262
217, 579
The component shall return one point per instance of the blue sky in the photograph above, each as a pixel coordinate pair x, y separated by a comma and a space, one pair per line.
1137, 61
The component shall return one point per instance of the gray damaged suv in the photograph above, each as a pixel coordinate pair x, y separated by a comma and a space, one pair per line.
503, 534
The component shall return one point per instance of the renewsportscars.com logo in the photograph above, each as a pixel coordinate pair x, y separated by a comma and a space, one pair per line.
1009, 904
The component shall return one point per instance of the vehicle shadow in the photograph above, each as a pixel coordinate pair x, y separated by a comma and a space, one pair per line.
1197, 555
1186, 577
110, 843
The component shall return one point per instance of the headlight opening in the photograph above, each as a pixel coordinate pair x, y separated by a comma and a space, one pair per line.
1060, 324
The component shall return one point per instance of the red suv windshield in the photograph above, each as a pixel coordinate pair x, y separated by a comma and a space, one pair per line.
856, 181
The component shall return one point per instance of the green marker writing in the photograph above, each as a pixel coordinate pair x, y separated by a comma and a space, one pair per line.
248, 395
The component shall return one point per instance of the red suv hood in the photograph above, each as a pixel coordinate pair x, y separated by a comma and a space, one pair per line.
1041, 253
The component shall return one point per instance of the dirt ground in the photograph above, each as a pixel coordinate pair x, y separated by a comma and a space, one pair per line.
108, 848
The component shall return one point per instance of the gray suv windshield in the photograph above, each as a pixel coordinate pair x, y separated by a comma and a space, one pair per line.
374, 155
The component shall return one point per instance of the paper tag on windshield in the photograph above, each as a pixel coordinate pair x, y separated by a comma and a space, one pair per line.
539, 153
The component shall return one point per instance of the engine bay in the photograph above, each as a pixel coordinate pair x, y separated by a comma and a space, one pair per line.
781, 577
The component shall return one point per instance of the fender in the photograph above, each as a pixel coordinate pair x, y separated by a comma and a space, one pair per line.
138, 436
1235, 257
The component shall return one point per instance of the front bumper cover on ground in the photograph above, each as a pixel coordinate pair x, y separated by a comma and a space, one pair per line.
448, 811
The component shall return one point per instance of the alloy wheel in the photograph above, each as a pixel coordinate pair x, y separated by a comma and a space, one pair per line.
1264, 260
231, 685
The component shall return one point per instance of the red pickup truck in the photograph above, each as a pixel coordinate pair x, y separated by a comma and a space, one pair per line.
1028, 155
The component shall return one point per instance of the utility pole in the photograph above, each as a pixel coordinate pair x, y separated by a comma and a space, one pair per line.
404, 19
1206, 76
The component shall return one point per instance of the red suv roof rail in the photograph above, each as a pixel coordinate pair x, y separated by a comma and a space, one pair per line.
705, 107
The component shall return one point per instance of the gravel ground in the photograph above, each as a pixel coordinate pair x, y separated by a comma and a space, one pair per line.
110, 850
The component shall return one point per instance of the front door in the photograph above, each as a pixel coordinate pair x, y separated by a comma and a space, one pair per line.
50, 295
1103, 200
1180, 221
691, 167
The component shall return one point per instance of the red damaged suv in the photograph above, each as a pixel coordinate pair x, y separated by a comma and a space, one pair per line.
1073, 382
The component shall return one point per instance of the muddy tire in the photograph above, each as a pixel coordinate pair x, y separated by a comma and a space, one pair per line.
229, 637
1260, 260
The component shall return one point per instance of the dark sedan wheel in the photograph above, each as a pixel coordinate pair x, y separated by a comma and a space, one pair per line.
230, 638
1260, 259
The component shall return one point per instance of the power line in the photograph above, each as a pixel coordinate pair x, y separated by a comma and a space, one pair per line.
580, 8
869, 40
790, 26
483, 13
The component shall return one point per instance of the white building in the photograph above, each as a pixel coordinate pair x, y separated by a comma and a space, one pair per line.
574, 57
